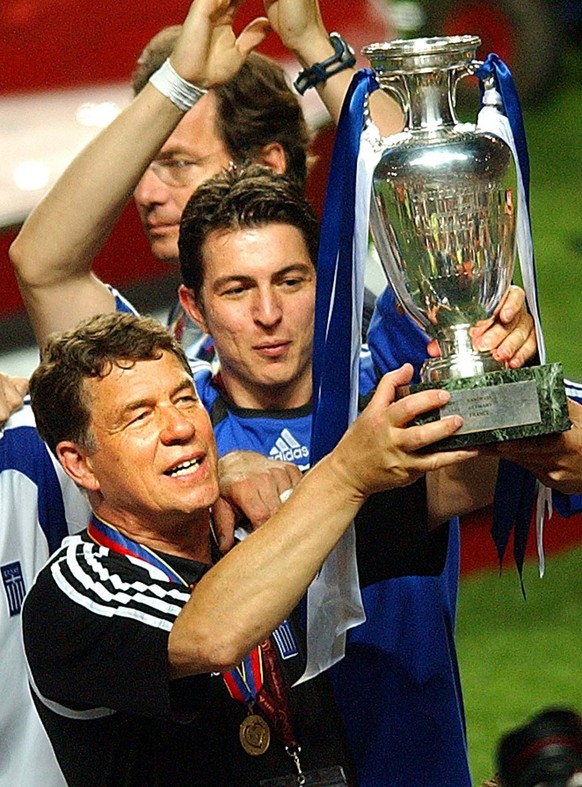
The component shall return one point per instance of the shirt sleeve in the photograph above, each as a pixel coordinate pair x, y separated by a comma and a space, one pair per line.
93, 614
393, 338
393, 537
121, 303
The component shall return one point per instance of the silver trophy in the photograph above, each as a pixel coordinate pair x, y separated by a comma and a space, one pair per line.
443, 220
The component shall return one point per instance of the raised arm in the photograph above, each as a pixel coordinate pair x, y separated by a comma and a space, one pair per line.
269, 571
300, 26
54, 251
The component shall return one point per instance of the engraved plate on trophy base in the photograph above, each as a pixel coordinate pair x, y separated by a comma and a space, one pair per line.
502, 405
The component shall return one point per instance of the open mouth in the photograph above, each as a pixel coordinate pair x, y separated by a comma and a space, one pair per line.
184, 468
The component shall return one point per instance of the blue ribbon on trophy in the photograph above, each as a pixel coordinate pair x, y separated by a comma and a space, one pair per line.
342, 258
339, 295
334, 601
516, 489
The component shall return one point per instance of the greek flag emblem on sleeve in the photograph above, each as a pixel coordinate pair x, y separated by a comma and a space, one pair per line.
13, 587
285, 640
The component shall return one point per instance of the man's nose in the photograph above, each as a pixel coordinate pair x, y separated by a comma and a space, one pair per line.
150, 189
176, 426
267, 308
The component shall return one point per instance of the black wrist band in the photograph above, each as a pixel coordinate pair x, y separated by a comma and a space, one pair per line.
343, 57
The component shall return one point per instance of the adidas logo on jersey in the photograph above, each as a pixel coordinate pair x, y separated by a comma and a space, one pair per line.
287, 449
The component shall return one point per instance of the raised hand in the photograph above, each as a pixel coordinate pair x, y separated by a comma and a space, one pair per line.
300, 26
208, 53
380, 451
297, 22
509, 334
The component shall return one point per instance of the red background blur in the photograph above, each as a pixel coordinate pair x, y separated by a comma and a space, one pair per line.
70, 43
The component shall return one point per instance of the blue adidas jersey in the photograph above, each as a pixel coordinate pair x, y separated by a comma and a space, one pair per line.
283, 435
39, 506
398, 686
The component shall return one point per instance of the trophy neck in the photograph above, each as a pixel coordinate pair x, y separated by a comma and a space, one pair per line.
423, 74
429, 101
458, 358
455, 340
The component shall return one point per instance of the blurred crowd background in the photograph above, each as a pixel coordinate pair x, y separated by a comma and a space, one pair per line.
66, 70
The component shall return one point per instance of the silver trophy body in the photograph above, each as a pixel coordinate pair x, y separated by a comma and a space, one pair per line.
443, 221
443, 216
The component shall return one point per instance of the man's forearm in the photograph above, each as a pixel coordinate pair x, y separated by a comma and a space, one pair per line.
461, 489
53, 254
54, 251
246, 595
82, 207
256, 585
301, 27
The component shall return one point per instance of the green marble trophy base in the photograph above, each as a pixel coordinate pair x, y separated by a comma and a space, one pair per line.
502, 405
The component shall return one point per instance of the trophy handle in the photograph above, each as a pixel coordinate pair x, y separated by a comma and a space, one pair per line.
465, 70
395, 85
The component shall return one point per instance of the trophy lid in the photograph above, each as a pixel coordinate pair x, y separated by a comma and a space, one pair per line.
403, 56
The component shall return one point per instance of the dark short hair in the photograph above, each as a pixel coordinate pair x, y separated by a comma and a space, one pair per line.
255, 108
254, 196
59, 399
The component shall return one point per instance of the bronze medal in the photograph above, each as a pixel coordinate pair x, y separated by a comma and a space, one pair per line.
254, 734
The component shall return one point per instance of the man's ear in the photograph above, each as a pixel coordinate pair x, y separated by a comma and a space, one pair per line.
272, 155
190, 306
77, 464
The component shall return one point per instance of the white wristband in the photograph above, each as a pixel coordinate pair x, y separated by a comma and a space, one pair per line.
180, 92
